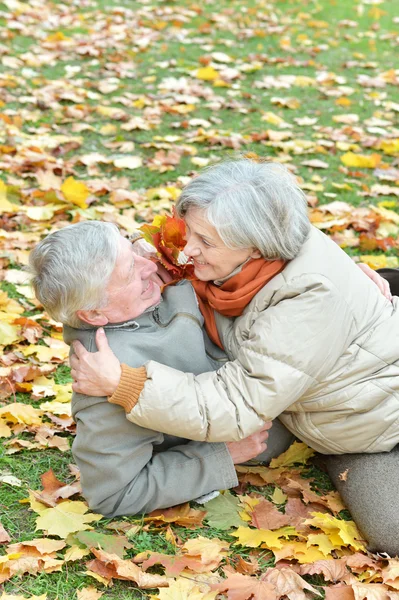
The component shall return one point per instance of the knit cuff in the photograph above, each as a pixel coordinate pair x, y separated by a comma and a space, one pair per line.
130, 387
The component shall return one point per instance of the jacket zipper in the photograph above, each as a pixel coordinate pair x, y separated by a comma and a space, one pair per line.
180, 314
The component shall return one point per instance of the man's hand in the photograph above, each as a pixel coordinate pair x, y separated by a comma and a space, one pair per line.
249, 447
380, 282
95, 373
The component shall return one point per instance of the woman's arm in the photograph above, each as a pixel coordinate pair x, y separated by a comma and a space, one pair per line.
288, 348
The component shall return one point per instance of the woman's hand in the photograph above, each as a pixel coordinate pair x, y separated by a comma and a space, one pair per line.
379, 281
95, 373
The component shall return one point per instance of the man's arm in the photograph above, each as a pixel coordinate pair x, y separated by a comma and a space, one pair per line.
121, 474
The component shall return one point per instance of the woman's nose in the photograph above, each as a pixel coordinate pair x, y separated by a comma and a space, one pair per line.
190, 249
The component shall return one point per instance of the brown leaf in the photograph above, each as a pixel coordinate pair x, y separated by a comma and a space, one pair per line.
181, 515
247, 567
117, 568
288, 583
4, 537
332, 570
266, 516
243, 587
339, 592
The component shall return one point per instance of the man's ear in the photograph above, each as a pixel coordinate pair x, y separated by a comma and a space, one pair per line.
92, 317
256, 254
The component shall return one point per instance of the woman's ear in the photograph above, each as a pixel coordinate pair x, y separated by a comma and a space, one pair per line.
256, 254
92, 317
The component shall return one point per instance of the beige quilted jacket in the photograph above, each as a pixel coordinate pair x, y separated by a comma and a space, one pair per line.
318, 346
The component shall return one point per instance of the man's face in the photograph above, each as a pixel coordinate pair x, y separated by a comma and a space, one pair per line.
133, 287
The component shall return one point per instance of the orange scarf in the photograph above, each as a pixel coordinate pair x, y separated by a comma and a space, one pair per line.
235, 294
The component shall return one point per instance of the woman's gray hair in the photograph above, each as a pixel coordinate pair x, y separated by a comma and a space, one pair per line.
71, 269
251, 205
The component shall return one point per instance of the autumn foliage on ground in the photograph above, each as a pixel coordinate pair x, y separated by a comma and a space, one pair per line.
107, 109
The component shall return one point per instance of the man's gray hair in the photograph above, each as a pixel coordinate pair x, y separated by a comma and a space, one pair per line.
71, 269
251, 204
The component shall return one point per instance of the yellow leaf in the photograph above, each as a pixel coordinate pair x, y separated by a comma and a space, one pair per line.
273, 119
376, 13
163, 193
298, 551
255, 537
21, 413
58, 36
109, 129
387, 204
75, 192
97, 577
75, 553
9, 305
57, 408
45, 354
380, 261
344, 533
278, 496
350, 159
185, 589
322, 541
390, 147
5, 431
206, 74
208, 549
9, 333
343, 101
298, 452
5, 205
65, 518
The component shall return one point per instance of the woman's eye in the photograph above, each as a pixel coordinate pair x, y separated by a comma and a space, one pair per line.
205, 242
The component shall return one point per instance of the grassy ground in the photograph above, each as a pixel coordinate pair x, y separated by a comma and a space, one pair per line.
83, 70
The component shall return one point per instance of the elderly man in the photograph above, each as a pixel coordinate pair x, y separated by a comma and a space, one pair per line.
88, 276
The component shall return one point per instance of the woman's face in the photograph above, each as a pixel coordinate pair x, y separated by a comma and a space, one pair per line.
212, 259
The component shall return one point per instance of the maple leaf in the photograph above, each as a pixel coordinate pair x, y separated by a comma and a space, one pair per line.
266, 516
4, 537
332, 570
167, 235
118, 568
298, 452
65, 518
344, 533
53, 489
360, 160
21, 413
255, 537
223, 511
390, 575
370, 591
75, 192
288, 583
89, 593
185, 589
109, 543
243, 587
181, 515
339, 592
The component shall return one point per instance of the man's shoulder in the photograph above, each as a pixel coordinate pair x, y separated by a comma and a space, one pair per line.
85, 336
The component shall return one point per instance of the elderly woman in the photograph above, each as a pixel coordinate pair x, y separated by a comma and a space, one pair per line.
310, 340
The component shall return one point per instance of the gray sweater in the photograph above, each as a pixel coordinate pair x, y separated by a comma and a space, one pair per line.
126, 469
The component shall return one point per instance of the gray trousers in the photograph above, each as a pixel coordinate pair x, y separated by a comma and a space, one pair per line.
370, 490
